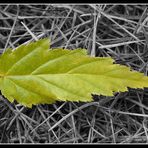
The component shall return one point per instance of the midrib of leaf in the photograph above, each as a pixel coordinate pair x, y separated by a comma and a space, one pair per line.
99, 75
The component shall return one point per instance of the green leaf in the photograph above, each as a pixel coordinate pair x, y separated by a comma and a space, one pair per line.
33, 74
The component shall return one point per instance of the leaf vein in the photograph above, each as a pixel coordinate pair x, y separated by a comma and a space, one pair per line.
24, 57
61, 87
46, 63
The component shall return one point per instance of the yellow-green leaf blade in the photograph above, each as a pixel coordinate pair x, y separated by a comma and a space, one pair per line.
33, 74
